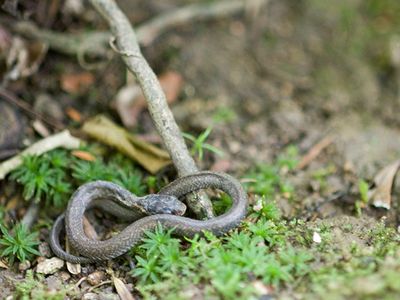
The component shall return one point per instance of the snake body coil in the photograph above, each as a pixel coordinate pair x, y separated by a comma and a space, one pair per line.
100, 193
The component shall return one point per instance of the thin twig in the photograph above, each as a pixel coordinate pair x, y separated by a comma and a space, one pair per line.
62, 139
96, 43
27, 108
315, 151
150, 30
163, 119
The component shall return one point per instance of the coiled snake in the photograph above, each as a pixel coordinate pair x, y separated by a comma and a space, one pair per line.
147, 211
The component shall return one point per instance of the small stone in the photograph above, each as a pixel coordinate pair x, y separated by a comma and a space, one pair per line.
64, 276
96, 277
53, 283
50, 266
234, 147
108, 296
261, 288
90, 296
316, 238
25, 265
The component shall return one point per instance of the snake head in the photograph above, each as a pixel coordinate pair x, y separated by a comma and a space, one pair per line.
164, 204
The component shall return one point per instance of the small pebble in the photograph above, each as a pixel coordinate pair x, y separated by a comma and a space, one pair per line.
53, 282
96, 277
108, 296
64, 276
25, 265
50, 266
90, 296
316, 238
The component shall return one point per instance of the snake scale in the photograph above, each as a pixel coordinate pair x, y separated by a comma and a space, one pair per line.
147, 212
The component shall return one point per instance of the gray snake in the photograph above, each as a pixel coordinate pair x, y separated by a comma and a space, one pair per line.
147, 211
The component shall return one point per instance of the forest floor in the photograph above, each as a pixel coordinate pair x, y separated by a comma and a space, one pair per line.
301, 97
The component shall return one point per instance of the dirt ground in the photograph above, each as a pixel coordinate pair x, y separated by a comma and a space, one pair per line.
287, 73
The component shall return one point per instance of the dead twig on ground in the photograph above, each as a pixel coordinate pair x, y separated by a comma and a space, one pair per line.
62, 139
28, 109
128, 47
314, 152
96, 43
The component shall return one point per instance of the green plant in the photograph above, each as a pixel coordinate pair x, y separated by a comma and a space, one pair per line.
199, 144
18, 242
85, 171
221, 204
363, 189
289, 159
118, 170
224, 114
223, 265
267, 180
45, 178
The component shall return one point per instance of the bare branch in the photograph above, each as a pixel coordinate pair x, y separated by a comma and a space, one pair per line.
128, 47
96, 43
62, 139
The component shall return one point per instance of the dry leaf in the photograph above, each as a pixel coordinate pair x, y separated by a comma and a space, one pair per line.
84, 155
76, 82
381, 194
150, 157
171, 83
130, 101
122, 290
72, 268
73, 114
3, 265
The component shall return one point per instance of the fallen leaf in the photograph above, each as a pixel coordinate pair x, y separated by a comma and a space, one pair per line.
171, 82
76, 82
381, 194
122, 290
73, 114
130, 101
149, 156
72, 268
3, 265
84, 155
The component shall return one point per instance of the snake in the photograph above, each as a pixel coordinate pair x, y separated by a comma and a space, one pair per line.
146, 212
